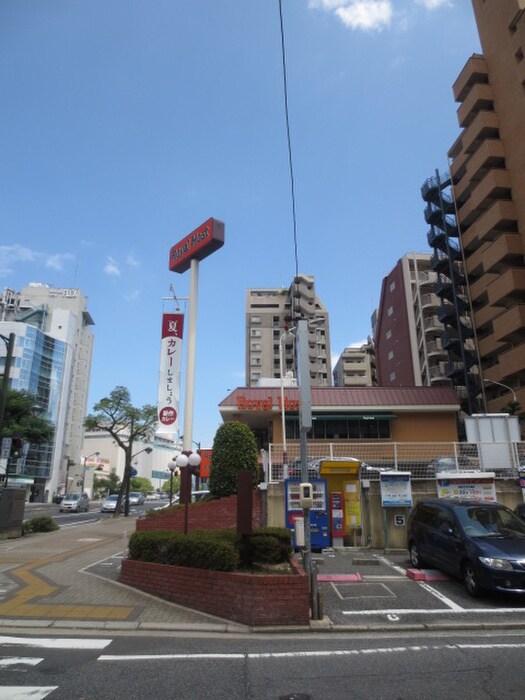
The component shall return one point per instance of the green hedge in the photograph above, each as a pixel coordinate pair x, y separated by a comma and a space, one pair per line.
42, 524
219, 550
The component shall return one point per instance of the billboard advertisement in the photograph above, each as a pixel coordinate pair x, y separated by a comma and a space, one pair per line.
168, 397
197, 245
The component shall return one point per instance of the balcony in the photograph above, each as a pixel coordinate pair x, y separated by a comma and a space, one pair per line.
503, 253
510, 325
479, 98
474, 73
499, 218
507, 289
496, 185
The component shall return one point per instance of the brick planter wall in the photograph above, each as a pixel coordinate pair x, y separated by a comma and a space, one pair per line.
204, 515
250, 599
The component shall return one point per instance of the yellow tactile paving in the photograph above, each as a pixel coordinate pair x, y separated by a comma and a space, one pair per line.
35, 587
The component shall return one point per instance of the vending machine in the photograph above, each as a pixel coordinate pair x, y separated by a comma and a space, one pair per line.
319, 521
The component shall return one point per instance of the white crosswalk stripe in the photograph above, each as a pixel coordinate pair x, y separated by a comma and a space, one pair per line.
23, 692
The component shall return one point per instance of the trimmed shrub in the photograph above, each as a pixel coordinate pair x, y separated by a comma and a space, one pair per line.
200, 550
234, 450
42, 524
270, 545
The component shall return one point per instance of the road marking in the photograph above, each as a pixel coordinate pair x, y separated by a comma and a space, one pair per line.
306, 654
440, 596
23, 692
55, 643
441, 611
16, 660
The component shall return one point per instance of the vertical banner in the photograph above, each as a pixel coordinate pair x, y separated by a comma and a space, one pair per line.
169, 374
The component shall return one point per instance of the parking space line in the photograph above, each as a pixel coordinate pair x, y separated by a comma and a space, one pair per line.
443, 598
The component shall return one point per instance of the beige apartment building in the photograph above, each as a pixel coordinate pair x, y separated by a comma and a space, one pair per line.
270, 313
487, 166
356, 366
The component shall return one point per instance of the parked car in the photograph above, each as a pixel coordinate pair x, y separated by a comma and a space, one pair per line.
520, 510
136, 498
75, 502
110, 504
482, 543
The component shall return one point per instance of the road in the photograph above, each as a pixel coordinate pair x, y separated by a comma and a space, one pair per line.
36, 510
285, 667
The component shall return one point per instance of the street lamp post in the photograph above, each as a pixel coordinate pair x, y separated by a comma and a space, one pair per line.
172, 467
187, 462
147, 450
504, 386
10, 345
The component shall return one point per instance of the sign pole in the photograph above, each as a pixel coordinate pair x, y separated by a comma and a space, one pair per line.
190, 360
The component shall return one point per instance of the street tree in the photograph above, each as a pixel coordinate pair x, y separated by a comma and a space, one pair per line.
127, 425
140, 483
20, 421
105, 484
234, 449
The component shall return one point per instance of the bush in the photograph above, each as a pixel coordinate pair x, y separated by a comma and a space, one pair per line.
270, 546
234, 449
200, 550
42, 524
218, 550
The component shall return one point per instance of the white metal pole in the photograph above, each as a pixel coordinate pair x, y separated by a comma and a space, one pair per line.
190, 359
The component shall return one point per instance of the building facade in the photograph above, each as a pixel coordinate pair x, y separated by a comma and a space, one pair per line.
356, 366
407, 328
52, 361
487, 166
270, 313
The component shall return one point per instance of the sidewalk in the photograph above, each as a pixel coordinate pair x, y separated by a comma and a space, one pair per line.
68, 579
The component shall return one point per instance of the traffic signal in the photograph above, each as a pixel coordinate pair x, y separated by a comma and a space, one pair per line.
16, 447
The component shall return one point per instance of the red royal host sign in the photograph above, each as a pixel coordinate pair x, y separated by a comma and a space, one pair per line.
169, 375
206, 239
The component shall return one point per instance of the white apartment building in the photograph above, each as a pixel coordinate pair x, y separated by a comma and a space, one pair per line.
269, 314
52, 361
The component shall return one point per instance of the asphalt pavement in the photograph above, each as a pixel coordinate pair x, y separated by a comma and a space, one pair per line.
68, 580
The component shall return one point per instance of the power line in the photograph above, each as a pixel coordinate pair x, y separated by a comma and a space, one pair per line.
290, 161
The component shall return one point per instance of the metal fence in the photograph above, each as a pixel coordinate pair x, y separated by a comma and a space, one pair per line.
422, 459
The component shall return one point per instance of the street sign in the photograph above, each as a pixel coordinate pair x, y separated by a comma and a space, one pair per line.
6, 448
134, 472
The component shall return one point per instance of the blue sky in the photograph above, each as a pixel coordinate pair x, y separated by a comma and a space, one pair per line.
125, 124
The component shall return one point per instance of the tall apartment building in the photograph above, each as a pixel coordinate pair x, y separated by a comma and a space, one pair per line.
356, 366
269, 312
52, 361
407, 328
487, 165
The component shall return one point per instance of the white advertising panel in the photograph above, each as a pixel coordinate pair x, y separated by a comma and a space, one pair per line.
479, 486
396, 489
169, 375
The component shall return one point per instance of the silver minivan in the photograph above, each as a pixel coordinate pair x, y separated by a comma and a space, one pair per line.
75, 502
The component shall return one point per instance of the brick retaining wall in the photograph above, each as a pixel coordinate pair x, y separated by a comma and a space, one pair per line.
205, 515
250, 599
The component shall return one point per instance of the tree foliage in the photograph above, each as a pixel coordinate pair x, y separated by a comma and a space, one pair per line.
140, 483
104, 485
234, 449
20, 422
126, 424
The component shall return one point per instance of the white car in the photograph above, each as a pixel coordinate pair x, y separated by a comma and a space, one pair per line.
110, 504
75, 502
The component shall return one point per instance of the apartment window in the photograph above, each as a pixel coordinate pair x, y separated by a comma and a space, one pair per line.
254, 376
392, 286
392, 376
390, 355
255, 319
255, 361
390, 310
255, 332
256, 347
388, 335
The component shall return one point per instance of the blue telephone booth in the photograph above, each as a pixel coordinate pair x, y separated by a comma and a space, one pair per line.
319, 522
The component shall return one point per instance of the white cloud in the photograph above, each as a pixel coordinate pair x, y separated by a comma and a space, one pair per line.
434, 4
111, 268
367, 15
132, 296
375, 15
131, 260
11, 255
56, 262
